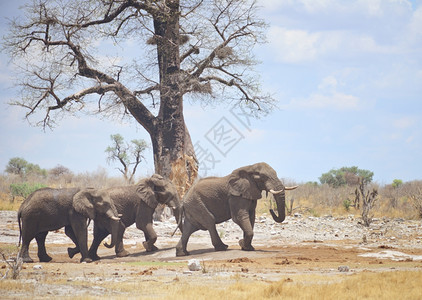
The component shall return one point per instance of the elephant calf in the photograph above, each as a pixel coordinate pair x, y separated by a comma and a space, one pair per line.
50, 209
213, 200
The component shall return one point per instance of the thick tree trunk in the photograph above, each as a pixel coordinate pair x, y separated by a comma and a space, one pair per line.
174, 155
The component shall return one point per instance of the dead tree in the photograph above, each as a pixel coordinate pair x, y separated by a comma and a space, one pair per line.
413, 190
368, 199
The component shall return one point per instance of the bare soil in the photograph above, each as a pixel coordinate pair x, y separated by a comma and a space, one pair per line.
301, 245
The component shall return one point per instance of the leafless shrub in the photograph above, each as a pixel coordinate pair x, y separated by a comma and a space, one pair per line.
413, 191
13, 265
368, 199
95, 179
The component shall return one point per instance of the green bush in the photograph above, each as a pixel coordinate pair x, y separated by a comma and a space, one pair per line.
24, 189
346, 204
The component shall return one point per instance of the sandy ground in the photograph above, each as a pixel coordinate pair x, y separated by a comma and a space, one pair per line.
300, 245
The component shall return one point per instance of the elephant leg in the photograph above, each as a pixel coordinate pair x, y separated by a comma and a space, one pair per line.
71, 251
188, 229
99, 235
207, 220
42, 252
243, 214
81, 233
249, 235
150, 237
119, 248
24, 251
216, 240
244, 222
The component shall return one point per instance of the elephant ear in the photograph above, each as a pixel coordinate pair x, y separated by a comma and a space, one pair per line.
242, 185
82, 203
145, 190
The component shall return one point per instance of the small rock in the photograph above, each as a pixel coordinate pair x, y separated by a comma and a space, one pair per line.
194, 265
37, 267
343, 269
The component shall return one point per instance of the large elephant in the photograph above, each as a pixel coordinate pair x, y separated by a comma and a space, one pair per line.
213, 200
136, 203
50, 209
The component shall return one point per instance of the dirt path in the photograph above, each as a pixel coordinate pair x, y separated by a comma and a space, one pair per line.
300, 245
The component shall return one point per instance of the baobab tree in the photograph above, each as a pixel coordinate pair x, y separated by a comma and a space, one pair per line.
68, 58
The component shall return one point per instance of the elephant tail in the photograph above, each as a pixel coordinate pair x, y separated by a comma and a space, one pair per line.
180, 220
20, 228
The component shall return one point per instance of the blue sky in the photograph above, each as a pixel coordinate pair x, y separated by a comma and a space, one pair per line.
347, 76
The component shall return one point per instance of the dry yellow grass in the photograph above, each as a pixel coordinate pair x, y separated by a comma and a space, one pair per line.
132, 285
368, 285
6, 202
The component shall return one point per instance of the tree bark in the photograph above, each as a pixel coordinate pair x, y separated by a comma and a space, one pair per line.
174, 156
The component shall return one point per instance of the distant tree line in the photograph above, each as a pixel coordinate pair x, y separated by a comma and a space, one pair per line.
339, 189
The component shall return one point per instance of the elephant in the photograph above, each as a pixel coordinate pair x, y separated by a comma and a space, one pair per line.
49, 209
136, 203
213, 200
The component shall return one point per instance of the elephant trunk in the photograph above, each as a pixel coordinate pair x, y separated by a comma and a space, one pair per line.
177, 212
280, 199
115, 225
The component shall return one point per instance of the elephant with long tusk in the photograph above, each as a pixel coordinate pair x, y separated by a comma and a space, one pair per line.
213, 200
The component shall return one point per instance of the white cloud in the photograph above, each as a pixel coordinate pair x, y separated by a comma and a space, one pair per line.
329, 82
299, 46
404, 122
414, 33
327, 96
334, 101
368, 7
363, 30
293, 45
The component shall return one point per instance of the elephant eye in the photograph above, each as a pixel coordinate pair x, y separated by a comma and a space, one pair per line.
159, 189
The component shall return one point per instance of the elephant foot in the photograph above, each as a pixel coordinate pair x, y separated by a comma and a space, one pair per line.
222, 247
245, 247
123, 253
94, 257
86, 260
180, 252
148, 247
45, 258
27, 259
72, 252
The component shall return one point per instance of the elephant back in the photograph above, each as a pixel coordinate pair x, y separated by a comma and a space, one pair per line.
47, 198
210, 187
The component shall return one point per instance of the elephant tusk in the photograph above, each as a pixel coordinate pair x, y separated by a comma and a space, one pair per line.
115, 218
289, 188
275, 192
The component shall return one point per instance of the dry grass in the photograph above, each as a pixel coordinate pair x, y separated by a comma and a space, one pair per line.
386, 285
7, 203
366, 285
